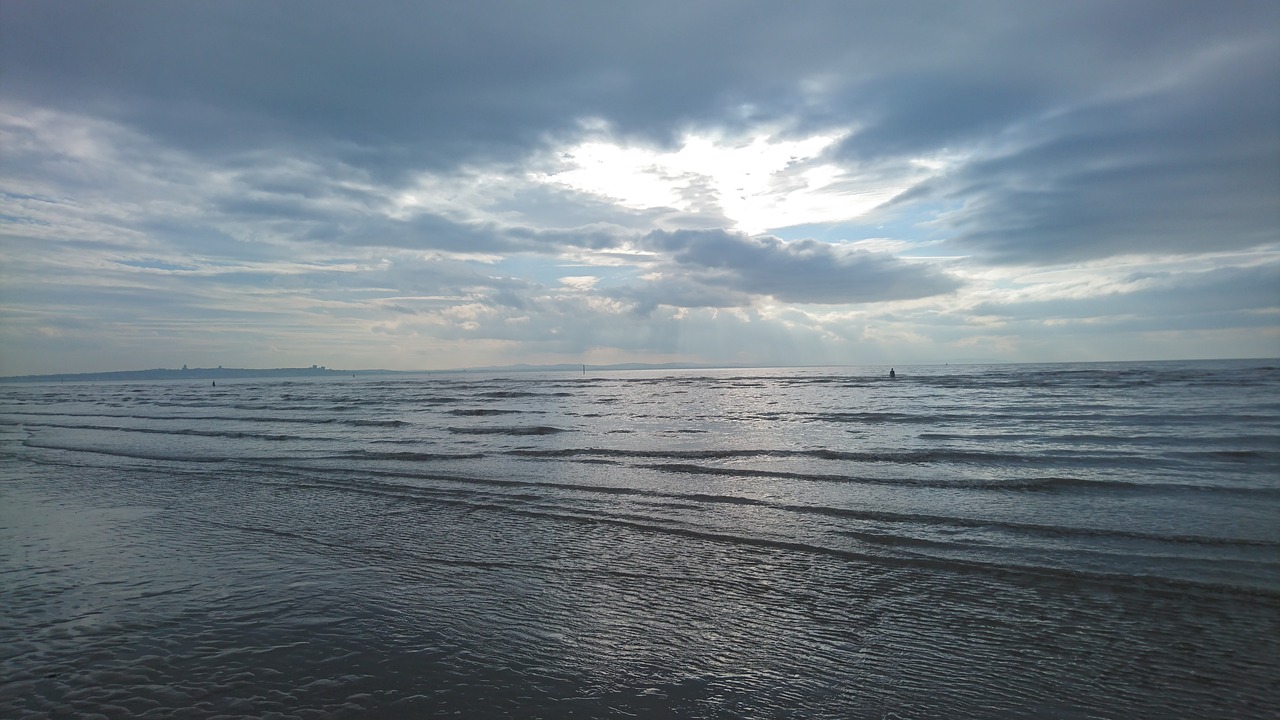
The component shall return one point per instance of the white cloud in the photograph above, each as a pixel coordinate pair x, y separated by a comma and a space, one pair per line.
758, 180
579, 282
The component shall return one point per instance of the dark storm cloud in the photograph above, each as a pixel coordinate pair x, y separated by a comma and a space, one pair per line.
805, 271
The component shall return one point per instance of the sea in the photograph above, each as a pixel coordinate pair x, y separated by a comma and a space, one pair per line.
961, 541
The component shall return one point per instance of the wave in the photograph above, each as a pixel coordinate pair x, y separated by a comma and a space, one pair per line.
510, 430
269, 419
712, 499
904, 457
435, 400
954, 565
132, 454
1241, 456
1060, 457
1035, 484
222, 433
725, 454
1032, 484
408, 456
895, 540
879, 417
940, 521
231, 434
504, 394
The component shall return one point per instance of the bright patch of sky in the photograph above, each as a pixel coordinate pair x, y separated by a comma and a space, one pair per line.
759, 181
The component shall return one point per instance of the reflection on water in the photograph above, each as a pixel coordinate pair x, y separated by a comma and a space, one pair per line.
800, 545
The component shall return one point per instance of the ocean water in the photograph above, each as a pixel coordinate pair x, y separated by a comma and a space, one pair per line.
1057, 541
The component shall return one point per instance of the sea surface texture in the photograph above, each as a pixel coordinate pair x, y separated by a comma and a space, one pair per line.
1039, 541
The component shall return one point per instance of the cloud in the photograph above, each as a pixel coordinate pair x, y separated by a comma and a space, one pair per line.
1242, 295
1191, 163
801, 272
426, 84
489, 180
677, 291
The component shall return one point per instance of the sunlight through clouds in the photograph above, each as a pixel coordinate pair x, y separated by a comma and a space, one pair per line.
759, 181
427, 185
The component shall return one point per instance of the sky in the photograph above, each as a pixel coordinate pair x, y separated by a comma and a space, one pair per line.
430, 185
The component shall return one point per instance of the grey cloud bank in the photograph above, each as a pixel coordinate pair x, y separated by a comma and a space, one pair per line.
804, 271
424, 185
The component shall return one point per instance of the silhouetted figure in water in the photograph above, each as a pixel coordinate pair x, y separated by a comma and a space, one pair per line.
892, 374
215, 383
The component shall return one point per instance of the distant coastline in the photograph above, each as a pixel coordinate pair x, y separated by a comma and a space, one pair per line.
183, 373
220, 373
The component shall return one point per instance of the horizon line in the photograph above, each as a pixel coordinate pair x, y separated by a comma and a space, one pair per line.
178, 373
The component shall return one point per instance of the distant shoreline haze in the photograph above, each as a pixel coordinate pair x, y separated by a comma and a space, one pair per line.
219, 373
181, 374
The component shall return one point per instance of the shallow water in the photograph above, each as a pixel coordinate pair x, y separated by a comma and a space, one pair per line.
969, 541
